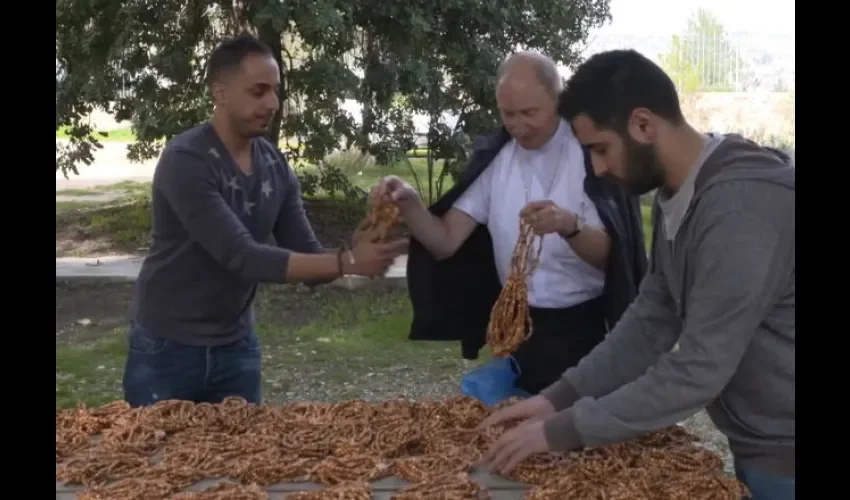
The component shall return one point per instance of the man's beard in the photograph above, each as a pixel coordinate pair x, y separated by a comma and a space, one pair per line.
643, 171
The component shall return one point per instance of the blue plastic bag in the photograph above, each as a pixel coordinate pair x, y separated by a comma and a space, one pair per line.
493, 382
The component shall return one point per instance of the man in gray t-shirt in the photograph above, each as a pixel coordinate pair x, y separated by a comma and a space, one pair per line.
714, 324
221, 189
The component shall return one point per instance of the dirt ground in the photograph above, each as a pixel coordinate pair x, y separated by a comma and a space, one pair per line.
91, 308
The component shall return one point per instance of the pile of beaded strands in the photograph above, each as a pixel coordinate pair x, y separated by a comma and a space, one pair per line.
510, 319
154, 453
382, 218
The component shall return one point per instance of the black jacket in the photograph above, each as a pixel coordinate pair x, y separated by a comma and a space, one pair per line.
452, 298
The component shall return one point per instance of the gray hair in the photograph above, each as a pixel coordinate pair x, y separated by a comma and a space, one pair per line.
544, 68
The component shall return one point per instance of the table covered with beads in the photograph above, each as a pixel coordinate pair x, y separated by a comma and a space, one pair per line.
353, 450
497, 487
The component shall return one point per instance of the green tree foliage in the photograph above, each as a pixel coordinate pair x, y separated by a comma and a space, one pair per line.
703, 58
144, 60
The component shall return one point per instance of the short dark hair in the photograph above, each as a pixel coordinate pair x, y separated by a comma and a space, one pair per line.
229, 54
610, 85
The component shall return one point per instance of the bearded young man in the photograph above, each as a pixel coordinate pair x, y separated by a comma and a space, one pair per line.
593, 254
220, 191
721, 285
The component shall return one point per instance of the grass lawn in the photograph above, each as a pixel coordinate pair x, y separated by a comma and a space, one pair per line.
76, 205
124, 188
325, 344
124, 134
95, 228
646, 218
415, 172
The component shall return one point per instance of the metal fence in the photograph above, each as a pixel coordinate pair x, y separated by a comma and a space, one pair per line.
722, 62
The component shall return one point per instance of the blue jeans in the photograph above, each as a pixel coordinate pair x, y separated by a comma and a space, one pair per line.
764, 486
159, 369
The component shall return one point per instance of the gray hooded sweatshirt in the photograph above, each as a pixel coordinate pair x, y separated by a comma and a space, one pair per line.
721, 286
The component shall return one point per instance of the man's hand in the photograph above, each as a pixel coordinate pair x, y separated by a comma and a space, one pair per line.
515, 446
398, 191
373, 259
546, 217
536, 407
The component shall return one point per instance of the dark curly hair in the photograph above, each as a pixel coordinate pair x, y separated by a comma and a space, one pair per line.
610, 85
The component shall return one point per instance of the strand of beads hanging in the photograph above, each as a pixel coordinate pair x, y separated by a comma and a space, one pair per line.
510, 319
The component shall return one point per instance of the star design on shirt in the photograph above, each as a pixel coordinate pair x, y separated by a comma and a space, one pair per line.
214, 152
266, 188
234, 183
247, 206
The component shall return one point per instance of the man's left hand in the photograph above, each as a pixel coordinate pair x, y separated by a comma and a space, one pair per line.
515, 446
546, 217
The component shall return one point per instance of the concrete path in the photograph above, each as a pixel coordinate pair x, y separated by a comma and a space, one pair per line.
110, 166
124, 267
127, 267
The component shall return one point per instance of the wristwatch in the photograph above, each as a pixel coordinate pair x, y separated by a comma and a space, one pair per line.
578, 229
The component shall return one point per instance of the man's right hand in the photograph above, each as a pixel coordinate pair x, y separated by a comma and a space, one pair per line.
535, 407
397, 190
442, 235
373, 259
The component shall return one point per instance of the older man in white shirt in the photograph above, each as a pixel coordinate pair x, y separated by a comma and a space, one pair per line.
536, 169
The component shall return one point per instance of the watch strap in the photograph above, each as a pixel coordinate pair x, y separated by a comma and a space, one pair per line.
579, 227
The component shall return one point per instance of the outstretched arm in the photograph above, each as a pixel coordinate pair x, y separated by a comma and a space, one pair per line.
186, 181
647, 329
442, 236
292, 229
740, 270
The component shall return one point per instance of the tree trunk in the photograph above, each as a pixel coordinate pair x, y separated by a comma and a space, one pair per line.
367, 99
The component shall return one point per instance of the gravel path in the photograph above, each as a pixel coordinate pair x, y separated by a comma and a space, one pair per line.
702, 426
